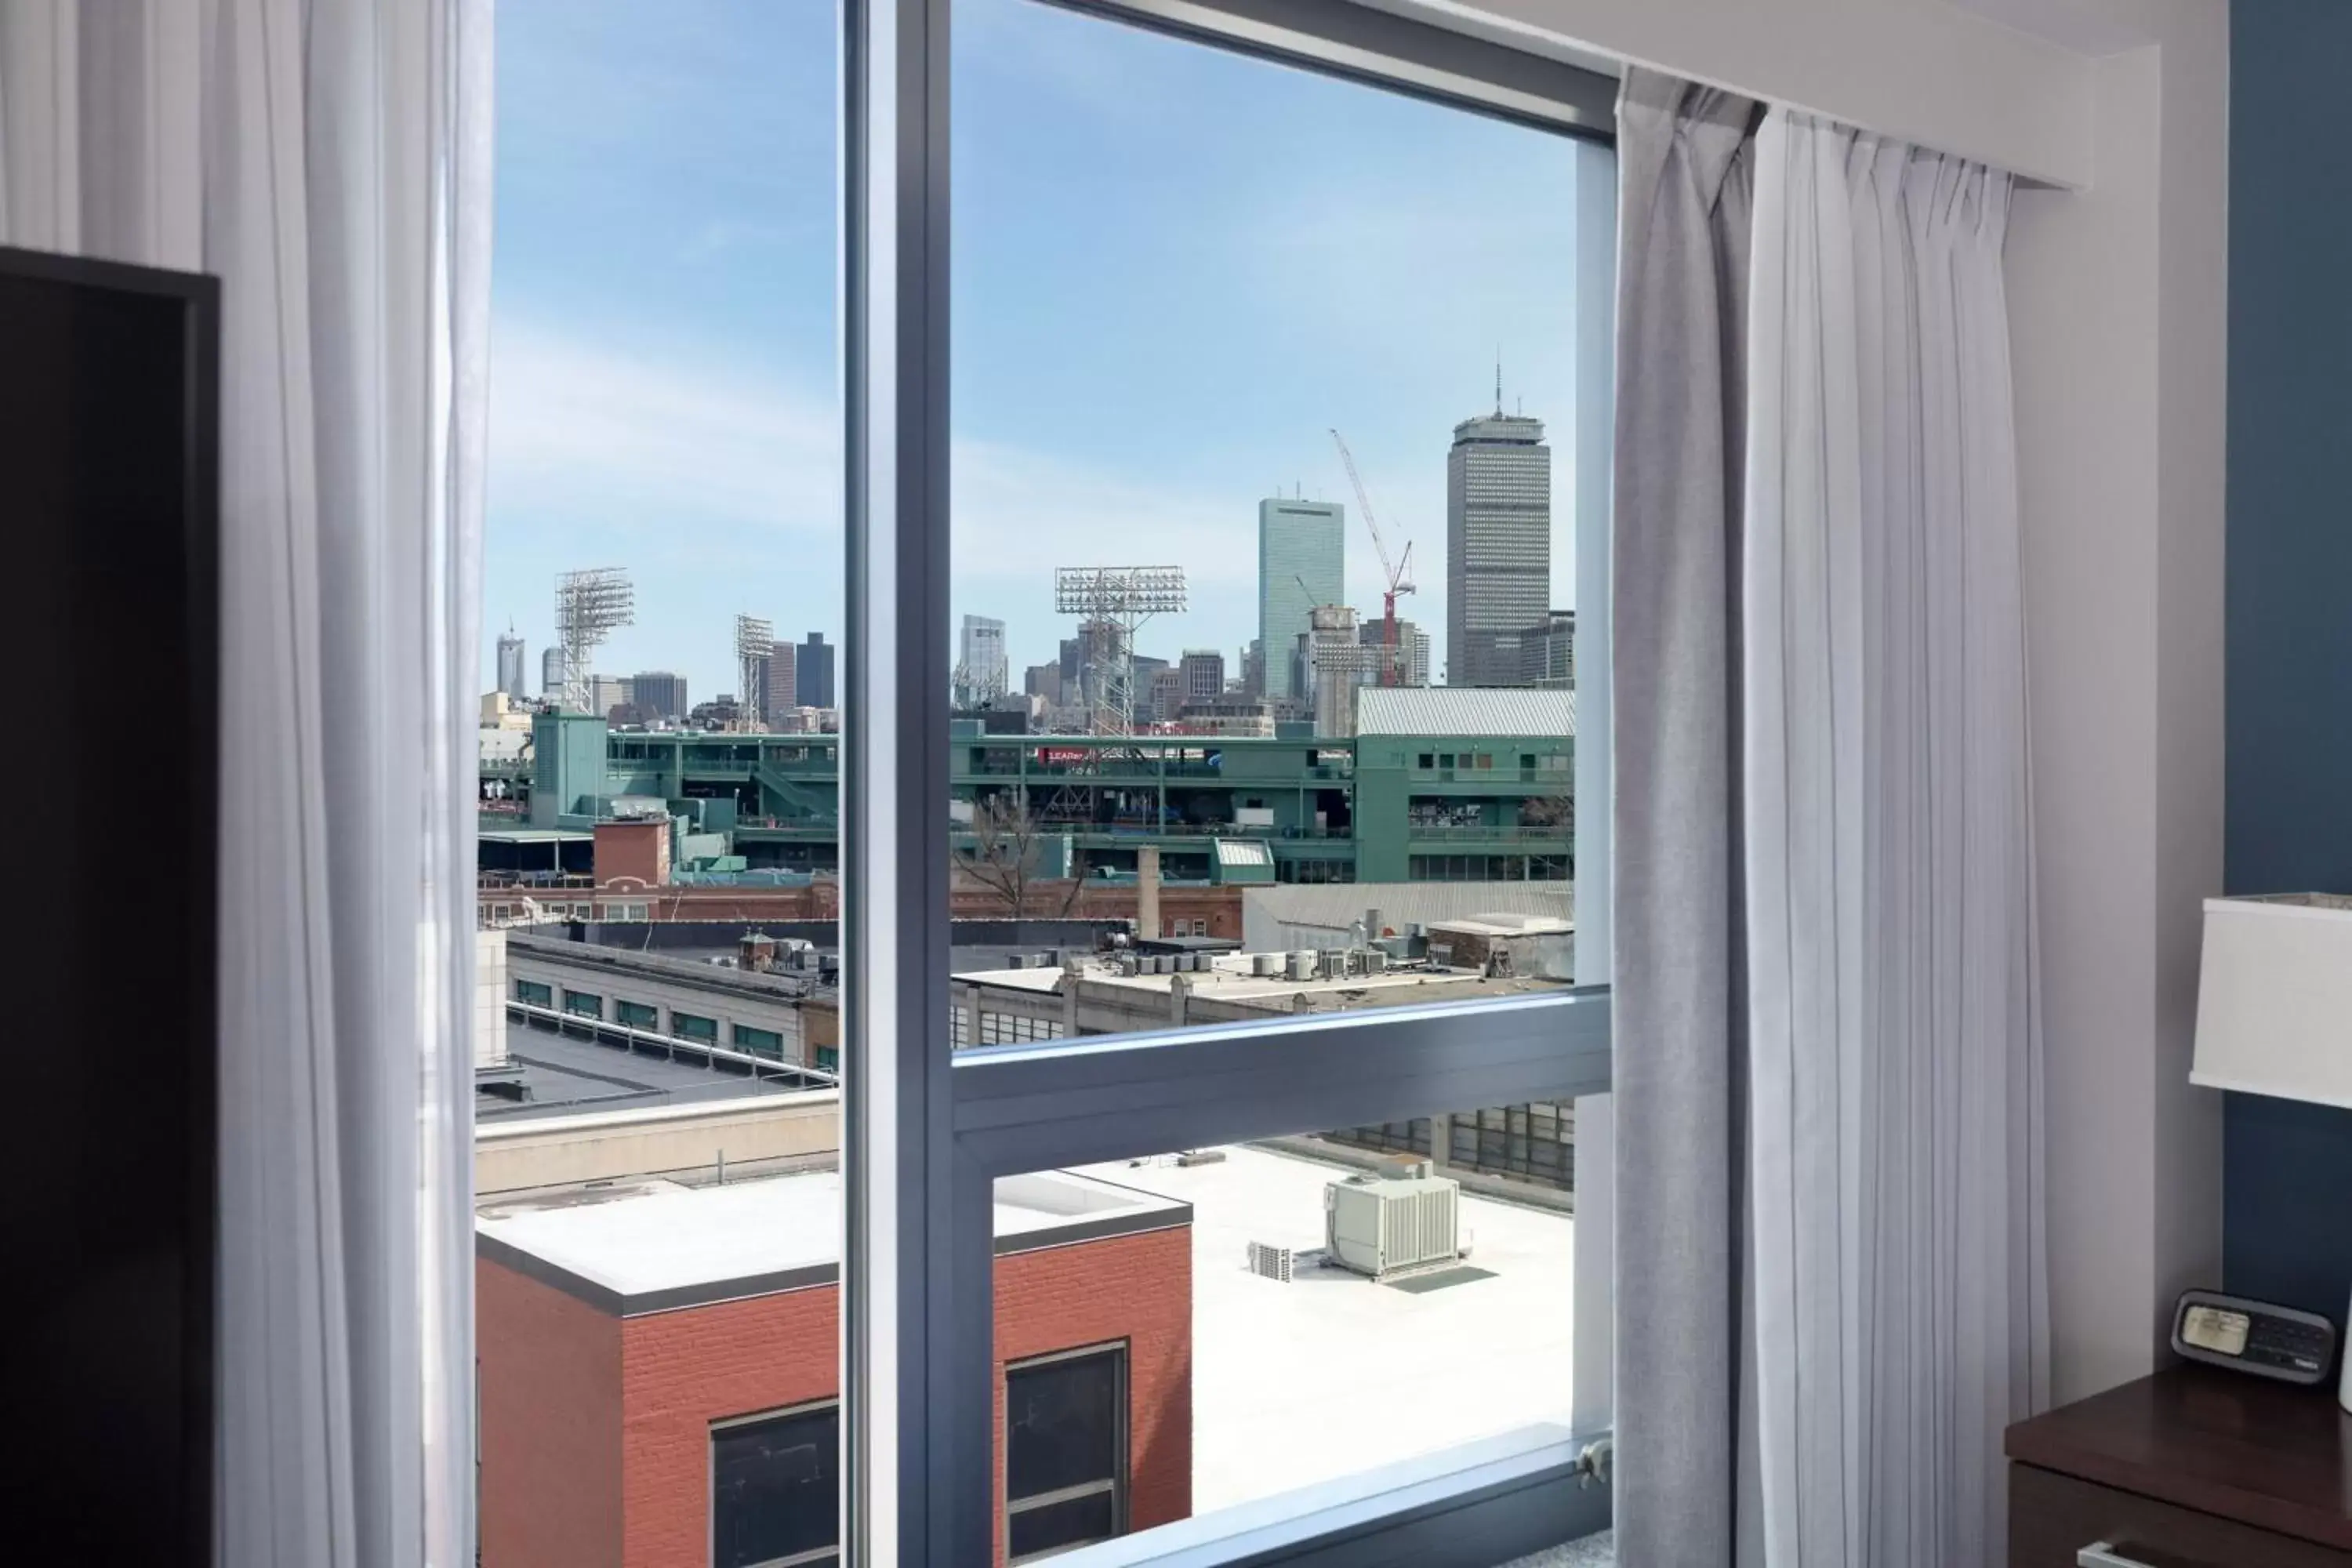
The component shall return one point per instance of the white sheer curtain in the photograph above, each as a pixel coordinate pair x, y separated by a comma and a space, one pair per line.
329, 159
1896, 1164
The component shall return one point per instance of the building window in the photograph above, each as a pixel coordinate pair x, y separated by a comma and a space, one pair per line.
760, 1042
637, 1015
693, 1026
1065, 1451
533, 993
584, 1004
828, 1058
776, 1489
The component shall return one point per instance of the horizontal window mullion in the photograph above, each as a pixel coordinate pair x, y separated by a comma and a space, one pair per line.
1453, 1032
1064, 1113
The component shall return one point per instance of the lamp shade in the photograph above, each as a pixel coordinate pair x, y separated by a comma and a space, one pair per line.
2274, 999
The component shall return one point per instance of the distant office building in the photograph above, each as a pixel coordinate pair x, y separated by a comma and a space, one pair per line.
813, 672
608, 693
551, 675
987, 672
1498, 545
779, 689
1042, 680
1412, 652
1336, 660
1253, 668
511, 665
1165, 693
1204, 673
658, 694
1547, 652
1301, 562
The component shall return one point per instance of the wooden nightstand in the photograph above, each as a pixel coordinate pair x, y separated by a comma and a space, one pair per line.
2194, 1467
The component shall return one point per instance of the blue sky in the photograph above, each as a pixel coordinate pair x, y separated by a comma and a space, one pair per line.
1174, 270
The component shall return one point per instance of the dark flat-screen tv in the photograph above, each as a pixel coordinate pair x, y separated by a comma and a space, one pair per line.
109, 501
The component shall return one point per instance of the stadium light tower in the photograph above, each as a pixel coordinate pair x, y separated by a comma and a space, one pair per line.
590, 606
755, 640
1112, 603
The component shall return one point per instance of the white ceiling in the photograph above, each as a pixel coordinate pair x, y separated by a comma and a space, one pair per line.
2094, 28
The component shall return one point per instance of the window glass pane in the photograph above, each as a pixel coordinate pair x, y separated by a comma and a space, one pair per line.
1058, 1526
1265, 574
1062, 1421
775, 1488
657, 805
1302, 1309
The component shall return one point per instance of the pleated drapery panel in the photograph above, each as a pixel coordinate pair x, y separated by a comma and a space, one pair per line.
329, 161
1675, 528
1897, 1167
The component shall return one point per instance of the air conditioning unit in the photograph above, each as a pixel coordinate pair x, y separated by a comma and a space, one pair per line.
1265, 965
1269, 1262
1302, 966
1383, 1229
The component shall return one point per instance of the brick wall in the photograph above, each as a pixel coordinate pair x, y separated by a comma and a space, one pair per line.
632, 854
550, 1379
600, 1450
682, 1371
1132, 1289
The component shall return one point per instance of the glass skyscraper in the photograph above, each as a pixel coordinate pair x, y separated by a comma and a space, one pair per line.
1301, 563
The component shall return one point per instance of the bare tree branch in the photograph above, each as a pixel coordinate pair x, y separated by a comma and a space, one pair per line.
1003, 854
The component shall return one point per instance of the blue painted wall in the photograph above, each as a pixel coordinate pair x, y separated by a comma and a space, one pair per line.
2287, 1201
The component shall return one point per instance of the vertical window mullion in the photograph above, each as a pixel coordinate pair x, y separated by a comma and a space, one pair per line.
1593, 1397
909, 1417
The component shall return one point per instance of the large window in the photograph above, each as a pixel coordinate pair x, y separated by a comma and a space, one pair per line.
661, 613
776, 1489
1047, 541
1267, 410
1065, 1451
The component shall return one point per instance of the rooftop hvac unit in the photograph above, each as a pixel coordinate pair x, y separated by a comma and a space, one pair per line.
1127, 963
1016, 961
1265, 965
1302, 966
1385, 1228
1269, 1262
1375, 960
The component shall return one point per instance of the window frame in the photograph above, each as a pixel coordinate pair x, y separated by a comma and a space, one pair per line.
1116, 1484
926, 1130
838, 1552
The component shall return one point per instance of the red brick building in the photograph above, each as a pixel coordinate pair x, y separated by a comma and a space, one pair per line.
659, 1365
620, 887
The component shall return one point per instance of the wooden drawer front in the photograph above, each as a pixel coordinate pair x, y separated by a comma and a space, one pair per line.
2052, 1516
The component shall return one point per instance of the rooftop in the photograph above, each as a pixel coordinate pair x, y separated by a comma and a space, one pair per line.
562, 1076
1336, 906
1448, 710
1275, 1366
1227, 977
657, 1245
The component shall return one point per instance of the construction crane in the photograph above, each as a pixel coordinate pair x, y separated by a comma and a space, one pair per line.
1394, 572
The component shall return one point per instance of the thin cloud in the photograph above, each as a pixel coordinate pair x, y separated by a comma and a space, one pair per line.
632, 438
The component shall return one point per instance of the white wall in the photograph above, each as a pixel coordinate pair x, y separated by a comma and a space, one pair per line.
1921, 69
2118, 303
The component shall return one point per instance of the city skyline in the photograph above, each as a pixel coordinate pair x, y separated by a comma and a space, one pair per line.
1256, 266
